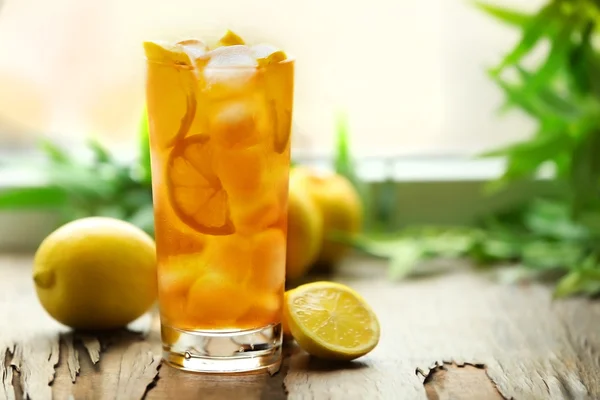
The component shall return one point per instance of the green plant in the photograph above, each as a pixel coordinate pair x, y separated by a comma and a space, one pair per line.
558, 235
100, 185
561, 93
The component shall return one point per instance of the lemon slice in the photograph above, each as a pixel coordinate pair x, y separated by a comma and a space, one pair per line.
195, 191
230, 39
266, 54
163, 52
331, 321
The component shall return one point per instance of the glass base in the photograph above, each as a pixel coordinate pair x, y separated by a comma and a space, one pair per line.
223, 351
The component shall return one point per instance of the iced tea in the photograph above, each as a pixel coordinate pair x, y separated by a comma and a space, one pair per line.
220, 119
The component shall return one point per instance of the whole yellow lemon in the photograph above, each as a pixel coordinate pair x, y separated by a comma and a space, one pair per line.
96, 273
305, 229
340, 207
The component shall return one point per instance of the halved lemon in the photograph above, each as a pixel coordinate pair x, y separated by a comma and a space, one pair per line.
331, 321
195, 191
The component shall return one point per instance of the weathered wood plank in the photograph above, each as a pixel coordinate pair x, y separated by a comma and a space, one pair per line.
35, 358
72, 356
581, 318
25, 325
127, 366
7, 392
68, 365
450, 381
138, 369
92, 345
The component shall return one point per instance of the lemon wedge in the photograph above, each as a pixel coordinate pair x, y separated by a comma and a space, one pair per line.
230, 39
331, 321
163, 52
266, 54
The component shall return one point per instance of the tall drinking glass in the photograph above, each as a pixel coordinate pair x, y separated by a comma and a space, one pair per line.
220, 147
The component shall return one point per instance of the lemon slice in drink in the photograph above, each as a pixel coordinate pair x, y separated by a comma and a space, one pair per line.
230, 39
266, 54
331, 321
172, 92
164, 52
195, 191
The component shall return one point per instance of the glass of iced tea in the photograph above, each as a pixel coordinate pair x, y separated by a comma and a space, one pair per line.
220, 121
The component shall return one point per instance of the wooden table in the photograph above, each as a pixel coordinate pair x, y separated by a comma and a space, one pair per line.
457, 335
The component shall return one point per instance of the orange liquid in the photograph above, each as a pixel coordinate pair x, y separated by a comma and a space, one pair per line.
220, 162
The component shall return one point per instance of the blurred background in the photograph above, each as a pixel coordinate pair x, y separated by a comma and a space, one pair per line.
401, 98
409, 75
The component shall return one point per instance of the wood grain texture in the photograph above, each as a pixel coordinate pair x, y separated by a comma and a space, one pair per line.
28, 336
456, 335
7, 392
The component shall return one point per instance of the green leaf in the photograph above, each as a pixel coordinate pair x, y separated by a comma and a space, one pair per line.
405, 259
85, 184
539, 26
526, 157
385, 247
344, 165
557, 57
343, 162
583, 280
540, 254
545, 101
510, 17
585, 172
46, 197
568, 285
54, 153
540, 104
144, 169
448, 243
515, 96
428, 242
584, 64
590, 220
100, 153
493, 249
552, 219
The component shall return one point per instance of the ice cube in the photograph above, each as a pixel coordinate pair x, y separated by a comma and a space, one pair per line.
233, 124
232, 56
230, 71
194, 48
